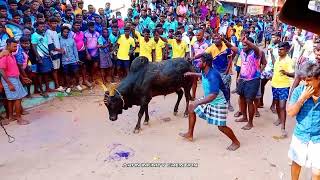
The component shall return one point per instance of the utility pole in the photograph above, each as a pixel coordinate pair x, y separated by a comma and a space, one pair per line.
275, 14
246, 8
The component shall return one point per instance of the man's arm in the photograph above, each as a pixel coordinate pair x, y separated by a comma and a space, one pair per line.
229, 45
34, 49
256, 49
153, 53
117, 9
295, 84
229, 64
263, 61
193, 74
5, 78
164, 55
205, 100
298, 100
224, 91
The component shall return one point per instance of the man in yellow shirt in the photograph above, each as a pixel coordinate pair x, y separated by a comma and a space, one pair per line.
147, 46
125, 48
238, 29
283, 70
79, 7
160, 47
179, 48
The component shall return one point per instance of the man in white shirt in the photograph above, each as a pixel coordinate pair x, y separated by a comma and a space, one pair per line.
224, 26
297, 43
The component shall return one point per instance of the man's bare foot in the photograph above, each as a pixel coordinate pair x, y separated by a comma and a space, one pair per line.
247, 127
36, 92
238, 114
51, 90
233, 146
277, 122
284, 134
44, 94
5, 122
25, 113
257, 114
241, 120
23, 122
186, 136
273, 110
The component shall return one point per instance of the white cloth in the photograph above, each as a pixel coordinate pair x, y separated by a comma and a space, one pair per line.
305, 154
296, 46
223, 27
308, 48
53, 38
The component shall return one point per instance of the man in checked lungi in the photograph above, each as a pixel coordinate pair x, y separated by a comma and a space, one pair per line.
213, 107
10, 78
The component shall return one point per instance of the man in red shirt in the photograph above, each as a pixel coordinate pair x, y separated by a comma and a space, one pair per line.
11, 83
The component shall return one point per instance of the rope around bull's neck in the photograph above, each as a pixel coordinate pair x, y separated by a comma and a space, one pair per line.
120, 96
11, 139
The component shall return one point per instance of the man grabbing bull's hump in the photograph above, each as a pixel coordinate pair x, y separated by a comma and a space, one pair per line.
213, 107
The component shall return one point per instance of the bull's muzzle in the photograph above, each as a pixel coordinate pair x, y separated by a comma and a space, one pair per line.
113, 118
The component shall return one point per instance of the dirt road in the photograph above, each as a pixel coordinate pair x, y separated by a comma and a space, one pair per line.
72, 138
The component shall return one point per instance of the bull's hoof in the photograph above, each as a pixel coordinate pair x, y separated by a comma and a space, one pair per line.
136, 131
175, 113
186, 115
146, 123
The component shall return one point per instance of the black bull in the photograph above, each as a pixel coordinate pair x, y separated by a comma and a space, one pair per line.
146, 80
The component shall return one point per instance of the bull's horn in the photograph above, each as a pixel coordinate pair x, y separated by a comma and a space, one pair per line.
112, 89
104, 88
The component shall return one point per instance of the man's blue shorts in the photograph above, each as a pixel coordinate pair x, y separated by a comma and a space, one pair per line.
280, 94
125, 64
70, 68
46, 65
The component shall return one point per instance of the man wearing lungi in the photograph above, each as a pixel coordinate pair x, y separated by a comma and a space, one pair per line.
213, 107
11, 83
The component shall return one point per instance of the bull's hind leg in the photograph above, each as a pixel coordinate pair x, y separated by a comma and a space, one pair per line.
146, 116
180, 94
140, 114
188, 97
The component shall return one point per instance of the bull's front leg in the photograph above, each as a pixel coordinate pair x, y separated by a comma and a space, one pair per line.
146, 116
140, 114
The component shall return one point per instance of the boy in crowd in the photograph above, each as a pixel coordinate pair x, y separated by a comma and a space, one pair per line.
70, 59
283, 69
91, 42
179, 48
40, 46
198, 48
105, 56
125, 47
147, 45
11, 83
78, 37
160, 47
55, 50
249, 81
